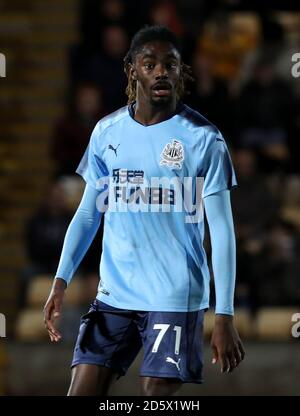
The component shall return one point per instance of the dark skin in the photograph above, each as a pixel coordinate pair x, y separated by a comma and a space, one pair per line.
156, 71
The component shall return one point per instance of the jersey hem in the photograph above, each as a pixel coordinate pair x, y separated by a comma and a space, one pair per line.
128, 307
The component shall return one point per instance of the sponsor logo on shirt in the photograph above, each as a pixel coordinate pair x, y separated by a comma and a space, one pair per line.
130, 190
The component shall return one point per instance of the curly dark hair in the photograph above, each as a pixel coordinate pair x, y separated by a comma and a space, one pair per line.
150, 34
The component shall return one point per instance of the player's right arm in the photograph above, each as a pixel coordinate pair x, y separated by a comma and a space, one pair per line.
80, 234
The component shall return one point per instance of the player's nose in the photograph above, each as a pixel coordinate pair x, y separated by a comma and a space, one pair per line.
161, 72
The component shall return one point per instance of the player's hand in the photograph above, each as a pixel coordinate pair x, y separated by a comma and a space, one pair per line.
52, 309
226, 344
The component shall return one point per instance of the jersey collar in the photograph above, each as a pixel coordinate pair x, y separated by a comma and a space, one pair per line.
131, 110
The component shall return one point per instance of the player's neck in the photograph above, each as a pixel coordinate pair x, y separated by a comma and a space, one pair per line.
148, 114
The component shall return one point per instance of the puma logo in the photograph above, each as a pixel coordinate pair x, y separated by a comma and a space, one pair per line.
170, 360
110, 146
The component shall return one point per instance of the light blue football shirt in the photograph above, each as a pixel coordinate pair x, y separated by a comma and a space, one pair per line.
153, 180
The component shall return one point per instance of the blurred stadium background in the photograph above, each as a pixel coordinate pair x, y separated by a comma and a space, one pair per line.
64, 71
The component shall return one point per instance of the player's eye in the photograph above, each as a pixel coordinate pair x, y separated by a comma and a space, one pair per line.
171, 65
149, 66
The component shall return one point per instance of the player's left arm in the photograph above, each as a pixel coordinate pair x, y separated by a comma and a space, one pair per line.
226, 344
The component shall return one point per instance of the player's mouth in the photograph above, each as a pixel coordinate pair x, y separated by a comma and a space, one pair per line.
162, 89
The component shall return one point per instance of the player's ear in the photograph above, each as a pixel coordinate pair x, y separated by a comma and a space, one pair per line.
132, 72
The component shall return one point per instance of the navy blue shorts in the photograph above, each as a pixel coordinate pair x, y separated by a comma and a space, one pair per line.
172, 341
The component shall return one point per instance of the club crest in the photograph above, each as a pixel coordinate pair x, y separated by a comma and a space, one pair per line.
172, 155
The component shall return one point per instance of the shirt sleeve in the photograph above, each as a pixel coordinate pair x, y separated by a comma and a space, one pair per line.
92, 167
219, 218
218, 173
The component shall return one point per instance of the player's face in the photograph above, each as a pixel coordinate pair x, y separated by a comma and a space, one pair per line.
157, 70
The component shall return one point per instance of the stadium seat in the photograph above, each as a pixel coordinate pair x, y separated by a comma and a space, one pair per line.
30, 325
38, 290
275, 323
40, 286
242, 321
209, 321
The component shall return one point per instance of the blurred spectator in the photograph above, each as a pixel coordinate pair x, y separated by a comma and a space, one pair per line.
104, 66
96, 14
72, 132
276, 268
245, 292
266, 108
290, 189
164, 13
226, 44
210, 96
254, 205
46, 230
44, 237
